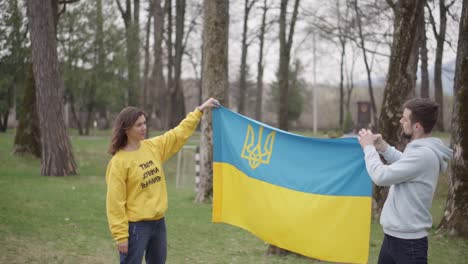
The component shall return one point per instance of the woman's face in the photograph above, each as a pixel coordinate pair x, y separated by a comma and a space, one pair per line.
138, 131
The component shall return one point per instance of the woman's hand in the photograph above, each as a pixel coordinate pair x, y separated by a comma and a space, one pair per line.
210, 103
123, 247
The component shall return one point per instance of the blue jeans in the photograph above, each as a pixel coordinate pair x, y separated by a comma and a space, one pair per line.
149, 236
402, 251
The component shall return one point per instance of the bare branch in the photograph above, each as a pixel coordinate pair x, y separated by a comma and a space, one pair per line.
67, 1
391, 4
432, 21
293, 24
119, 5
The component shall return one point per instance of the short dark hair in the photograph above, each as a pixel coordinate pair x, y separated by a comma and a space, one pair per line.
424, 111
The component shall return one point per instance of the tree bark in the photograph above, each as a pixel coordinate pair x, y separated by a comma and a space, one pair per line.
456, 210
424, 64
260, 66
215, 83
27, 138
57, 157
398, 84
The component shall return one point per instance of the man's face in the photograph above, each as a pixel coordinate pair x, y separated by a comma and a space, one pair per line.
406, 125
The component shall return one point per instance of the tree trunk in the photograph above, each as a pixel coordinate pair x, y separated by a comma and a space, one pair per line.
414, 57
243, 64
398, 84
285, 55
4, 120
170, 65
215, 83
438, 88
57, 157
283, 80
132, 37
259, 99
423, 55
343, 53
145, 101
27, 138
159, 89
368, 69
456, 210
177, 94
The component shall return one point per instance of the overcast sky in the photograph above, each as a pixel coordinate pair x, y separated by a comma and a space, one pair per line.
328, 53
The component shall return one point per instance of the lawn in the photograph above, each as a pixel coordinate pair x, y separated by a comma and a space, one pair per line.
62, 219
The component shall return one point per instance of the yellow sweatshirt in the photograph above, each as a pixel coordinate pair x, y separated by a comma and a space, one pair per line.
136, 186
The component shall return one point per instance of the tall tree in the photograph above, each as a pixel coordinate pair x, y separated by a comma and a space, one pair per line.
398, 84
170, 63
359, 14
132, 36
440, 38
343, 27
248, 4
456, 210
145, 100
215, 82
414, 57
177, 93
57, 157
158, 91
424, 65
286, 40
12, 60
260, 64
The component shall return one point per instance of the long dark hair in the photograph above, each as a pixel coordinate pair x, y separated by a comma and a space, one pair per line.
125, 120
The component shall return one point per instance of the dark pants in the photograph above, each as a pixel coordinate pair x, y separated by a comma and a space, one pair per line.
402, 251
149, 236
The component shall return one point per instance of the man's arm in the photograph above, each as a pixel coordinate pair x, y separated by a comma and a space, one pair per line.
405, 169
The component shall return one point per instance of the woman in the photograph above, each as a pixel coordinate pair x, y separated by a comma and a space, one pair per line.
136, 187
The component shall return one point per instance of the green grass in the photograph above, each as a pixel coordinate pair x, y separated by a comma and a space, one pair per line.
62, 219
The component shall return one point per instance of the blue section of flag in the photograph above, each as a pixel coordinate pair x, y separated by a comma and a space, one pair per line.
312, 165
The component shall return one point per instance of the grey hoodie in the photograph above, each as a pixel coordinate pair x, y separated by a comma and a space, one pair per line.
412, 177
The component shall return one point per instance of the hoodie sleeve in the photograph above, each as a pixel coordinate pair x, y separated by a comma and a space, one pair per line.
408, 167
391, 154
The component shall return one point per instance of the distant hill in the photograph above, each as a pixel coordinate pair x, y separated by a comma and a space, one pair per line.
448, 72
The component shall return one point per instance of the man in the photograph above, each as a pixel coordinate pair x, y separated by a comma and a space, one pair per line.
412, 177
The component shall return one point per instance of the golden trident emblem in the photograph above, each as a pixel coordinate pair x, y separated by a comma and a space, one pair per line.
253, 152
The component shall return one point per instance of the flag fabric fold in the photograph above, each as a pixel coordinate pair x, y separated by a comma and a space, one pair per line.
308, 195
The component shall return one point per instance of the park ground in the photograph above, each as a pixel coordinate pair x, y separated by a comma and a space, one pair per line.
62, 219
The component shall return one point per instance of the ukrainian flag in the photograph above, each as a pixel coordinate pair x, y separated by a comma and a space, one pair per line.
308, 195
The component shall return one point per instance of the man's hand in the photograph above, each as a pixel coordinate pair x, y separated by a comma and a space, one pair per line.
123, 247
379, 143
366, 138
